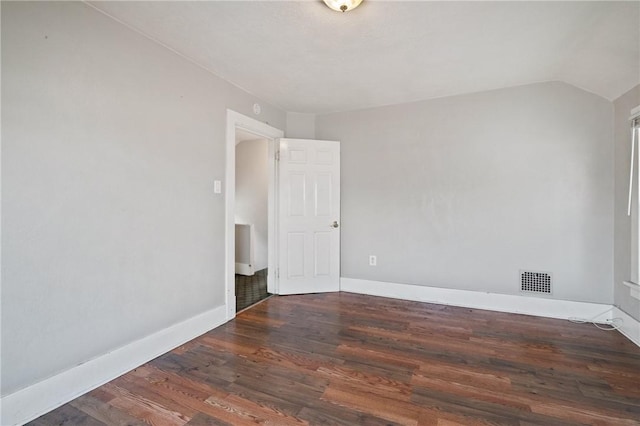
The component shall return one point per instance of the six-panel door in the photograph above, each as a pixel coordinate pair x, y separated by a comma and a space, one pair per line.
309, 213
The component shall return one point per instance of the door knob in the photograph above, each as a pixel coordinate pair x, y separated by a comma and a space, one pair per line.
335, 224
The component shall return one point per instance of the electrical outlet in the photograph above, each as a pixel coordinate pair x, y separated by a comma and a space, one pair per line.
373, 260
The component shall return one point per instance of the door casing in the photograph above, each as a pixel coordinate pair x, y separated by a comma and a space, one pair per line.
235, 121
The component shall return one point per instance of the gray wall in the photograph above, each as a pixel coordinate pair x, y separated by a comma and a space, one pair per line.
622, 254
463, 192
111, 229
300, 126
252, 194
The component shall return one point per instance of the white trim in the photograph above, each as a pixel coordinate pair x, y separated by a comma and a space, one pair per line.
272, 213
237, 120
630, 327
634, 289
31, 402
538, 306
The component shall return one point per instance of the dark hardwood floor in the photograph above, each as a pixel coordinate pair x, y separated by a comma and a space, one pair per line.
251, 289
349, 359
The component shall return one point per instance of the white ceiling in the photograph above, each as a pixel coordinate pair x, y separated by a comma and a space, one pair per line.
304, 57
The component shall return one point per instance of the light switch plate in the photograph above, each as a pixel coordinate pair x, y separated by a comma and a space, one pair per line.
217, 186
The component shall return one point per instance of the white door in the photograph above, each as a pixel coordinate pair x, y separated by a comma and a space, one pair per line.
309, 216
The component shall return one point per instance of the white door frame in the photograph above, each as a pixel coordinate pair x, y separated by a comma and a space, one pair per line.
236, 120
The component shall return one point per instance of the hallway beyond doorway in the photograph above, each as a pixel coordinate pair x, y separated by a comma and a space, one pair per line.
251, 289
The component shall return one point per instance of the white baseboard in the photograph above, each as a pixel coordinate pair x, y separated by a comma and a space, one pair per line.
538, 306
31, 402
630, 326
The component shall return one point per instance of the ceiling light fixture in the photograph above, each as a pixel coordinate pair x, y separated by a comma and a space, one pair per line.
342, 5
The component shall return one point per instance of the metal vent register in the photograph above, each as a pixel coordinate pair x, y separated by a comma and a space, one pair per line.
535, 282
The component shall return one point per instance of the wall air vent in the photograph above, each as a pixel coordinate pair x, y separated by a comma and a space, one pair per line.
535, 282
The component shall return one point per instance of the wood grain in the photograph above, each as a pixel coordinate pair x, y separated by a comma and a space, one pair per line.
346, 359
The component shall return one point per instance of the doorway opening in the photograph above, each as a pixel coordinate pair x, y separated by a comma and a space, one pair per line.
251, 149
251, 219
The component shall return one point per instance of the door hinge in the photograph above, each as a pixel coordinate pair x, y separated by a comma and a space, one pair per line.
277, 155
277, 272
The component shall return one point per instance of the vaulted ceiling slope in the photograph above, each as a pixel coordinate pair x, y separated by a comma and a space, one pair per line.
304, 57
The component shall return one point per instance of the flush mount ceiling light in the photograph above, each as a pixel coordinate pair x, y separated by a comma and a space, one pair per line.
342, 5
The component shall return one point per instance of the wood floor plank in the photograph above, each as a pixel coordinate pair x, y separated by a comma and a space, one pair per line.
202, 419
363, 399
348, 359
103, 412
271, 400
67, 415
150, 410
325, 413
377, 384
